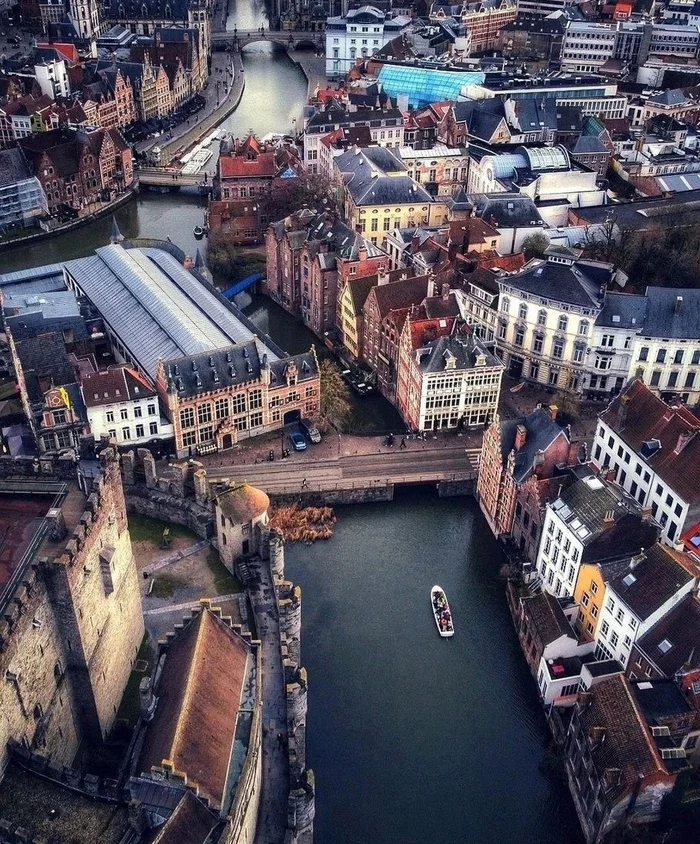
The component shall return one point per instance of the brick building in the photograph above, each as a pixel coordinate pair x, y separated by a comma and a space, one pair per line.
310, 257
76, 169
512, 451
214, 399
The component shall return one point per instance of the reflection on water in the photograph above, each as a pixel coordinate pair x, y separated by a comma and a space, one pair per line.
246, 14
414, 738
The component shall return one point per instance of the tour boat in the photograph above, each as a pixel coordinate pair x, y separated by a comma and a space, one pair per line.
441, 611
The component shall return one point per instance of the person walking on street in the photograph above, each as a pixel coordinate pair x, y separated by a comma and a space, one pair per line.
303, 483
403, 443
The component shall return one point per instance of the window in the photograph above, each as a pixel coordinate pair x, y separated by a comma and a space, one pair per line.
256, 419
611, 604
678, 357
585, 599
558, 348
151, 410
204, 413
138, 411
110, 416
206, 434
620, 614
614, 640
673, 378
594, 610
187, 417
583, 327
505, 305
239, 403
139, 431
537, 343
661, 356
153, 428
655, 378
522, 311
59, 417
562, 323
644, 353
124, 413
189, 438
519, 338
542, 317
604, 628
221, 408
594, 587
126, 434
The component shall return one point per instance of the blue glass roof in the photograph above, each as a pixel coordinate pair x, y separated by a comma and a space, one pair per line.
424, 85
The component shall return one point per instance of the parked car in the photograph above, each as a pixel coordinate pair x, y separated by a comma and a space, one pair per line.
310, 431
298, 442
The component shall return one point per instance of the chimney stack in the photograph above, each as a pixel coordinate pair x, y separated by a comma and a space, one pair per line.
553, 410
622, 411
445, 292
683, 440
520, 437
679, 304
609, 518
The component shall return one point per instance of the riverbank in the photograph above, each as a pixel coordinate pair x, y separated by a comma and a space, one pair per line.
103, 211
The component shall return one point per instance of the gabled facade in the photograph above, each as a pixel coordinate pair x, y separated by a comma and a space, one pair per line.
513, 450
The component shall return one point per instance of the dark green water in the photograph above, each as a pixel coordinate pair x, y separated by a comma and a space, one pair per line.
414, 738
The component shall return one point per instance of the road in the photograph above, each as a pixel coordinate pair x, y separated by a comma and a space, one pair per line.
448, 461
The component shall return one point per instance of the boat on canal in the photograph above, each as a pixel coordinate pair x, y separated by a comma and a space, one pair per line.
441, 612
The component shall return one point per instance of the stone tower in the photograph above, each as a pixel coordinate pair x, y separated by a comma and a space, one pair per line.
85, 15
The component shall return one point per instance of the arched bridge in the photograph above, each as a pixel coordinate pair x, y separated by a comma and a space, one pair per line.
290, 39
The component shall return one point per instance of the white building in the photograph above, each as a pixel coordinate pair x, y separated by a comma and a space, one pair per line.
122, 405
612, 349
52, 77
592, 521
546, 316
652, 584
666, 351
652, 449
359, 34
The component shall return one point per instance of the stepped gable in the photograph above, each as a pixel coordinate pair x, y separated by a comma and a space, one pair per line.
199, 695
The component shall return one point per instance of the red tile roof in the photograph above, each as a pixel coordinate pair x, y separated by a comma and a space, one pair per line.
239, 167
638, 415
199, 696
113, 386
190, 823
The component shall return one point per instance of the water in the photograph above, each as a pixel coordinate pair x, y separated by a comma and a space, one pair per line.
414, 738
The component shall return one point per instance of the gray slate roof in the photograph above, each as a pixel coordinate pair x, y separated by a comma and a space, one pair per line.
541, 429
662, 319
463, 348
13, 167
588, 144
507, 210
232, 366
364, 172
623, 310
581, 284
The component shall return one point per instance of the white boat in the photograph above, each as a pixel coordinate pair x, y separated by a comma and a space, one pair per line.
441, 612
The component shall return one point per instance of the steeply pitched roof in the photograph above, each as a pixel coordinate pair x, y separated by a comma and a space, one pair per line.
680, 628
652, 580
400, 294
365, 175
199, 696
609, 709
581, 284
190, 823
44, 357
541, 430
638, 416
359, 290
113, 386
548, 617
507, 210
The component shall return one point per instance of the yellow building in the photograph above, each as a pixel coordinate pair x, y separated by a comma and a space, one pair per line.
379, 195
589, 590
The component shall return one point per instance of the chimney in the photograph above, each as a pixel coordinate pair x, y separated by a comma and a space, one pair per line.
683, 440
622, 411
520, 437
445, 292
609, 518
679, 304
637, 559
553, 411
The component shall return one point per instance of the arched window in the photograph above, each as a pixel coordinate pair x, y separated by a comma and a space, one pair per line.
583, 327
562, 323
505, 304
542, 317
522, 311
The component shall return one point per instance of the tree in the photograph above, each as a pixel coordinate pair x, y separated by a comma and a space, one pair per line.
335, 398
290, 195
535, 244
221, 255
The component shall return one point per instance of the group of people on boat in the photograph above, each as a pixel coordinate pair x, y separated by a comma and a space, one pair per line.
442, 612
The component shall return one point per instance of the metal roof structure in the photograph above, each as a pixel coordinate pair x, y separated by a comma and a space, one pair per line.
425, 85
156, 307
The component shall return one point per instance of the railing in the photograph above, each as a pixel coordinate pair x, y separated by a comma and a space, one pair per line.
297, 486
20, 570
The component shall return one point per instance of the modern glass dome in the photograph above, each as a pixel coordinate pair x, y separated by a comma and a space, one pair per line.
423, 85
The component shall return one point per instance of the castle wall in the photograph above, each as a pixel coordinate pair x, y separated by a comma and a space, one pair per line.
33, 679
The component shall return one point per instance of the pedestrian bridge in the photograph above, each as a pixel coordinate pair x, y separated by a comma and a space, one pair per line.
290, 39
168, 177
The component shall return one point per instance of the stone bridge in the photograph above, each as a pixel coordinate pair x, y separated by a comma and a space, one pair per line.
289, 39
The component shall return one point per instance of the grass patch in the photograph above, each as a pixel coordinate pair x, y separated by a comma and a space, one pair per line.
145, 529
225, 583
130, 704
165, 585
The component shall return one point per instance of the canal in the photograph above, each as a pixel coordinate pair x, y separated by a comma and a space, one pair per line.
414, 738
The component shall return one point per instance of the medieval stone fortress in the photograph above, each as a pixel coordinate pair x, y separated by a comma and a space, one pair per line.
70, 638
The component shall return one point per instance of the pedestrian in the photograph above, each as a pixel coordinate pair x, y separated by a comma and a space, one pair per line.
303, 483
403, 443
